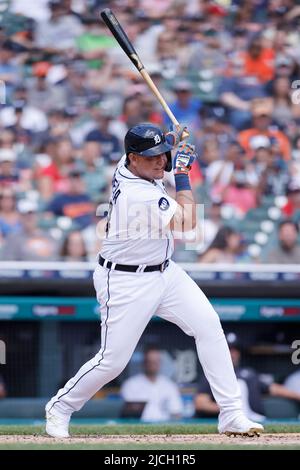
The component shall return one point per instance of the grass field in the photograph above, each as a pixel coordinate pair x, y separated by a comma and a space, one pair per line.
147, 437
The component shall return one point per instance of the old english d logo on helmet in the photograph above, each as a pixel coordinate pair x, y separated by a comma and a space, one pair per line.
148, 140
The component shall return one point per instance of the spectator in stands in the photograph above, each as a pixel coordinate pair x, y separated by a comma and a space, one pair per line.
258, 60
292, 205
271, 170
288, 249
207, 54
9, 174
110, 145
155, 8
210, 151
294, 166
186, 107
283, 109
94, 169
237, 91
285, 67
2, 242
73, 247
74, 203
262, 110
3, 391
167, 54
7, 139
27, 122
53, 176
296, 150
15, 143
252, 388
59, 122
153, 395
219, 173
213, 129
131, 112
60, 31
212, 224
78, 90
241, 194
9, 69
225, 248
149, 109
42, 94
9, 216
29, 243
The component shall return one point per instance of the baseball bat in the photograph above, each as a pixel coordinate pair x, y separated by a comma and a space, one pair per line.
121, 37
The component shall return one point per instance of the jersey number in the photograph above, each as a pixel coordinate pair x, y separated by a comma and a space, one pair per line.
116, 191
108, 218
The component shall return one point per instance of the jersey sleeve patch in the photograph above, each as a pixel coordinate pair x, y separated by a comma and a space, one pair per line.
163, 204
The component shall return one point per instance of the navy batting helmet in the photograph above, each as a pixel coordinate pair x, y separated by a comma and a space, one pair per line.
148, 140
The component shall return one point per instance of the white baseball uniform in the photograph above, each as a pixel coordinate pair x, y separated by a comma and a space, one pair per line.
129, 300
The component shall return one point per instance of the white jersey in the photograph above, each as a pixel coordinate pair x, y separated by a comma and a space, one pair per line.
137, 229
162, 397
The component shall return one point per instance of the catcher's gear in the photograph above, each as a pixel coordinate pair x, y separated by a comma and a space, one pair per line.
148, 140
184, 158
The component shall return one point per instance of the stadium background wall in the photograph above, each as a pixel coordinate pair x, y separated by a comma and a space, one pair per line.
49, 333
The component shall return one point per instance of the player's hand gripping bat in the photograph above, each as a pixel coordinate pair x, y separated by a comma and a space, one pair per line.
113, 24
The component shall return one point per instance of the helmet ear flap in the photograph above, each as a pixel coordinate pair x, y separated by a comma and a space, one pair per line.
169, 162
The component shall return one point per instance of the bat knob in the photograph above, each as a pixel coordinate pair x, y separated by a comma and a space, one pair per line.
185, 134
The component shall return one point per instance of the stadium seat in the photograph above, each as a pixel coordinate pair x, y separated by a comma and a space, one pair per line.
259, 214
267, 201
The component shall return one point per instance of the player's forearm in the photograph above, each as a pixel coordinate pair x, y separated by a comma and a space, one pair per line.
278, 390
185, 200
184, 219
204, 404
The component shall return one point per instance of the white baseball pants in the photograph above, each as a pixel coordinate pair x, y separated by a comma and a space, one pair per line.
128, 301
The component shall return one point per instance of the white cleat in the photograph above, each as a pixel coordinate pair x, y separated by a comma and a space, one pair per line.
241, 426
57, 426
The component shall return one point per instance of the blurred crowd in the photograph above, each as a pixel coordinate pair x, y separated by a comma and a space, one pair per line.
68, 95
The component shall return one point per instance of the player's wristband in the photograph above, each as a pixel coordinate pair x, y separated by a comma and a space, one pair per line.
182, 183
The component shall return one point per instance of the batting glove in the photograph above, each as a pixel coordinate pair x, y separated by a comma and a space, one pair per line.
184, 158
174, 136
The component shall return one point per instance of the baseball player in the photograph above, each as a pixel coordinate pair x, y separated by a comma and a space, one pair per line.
135, 279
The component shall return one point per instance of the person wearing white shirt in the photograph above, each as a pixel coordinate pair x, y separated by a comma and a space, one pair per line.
292, 382
160, 395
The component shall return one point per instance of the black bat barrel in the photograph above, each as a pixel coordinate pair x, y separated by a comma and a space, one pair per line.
118, 32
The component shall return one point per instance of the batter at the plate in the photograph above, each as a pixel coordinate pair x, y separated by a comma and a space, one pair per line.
135, 279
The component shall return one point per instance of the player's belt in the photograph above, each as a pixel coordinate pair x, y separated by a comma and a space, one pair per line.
141, 268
